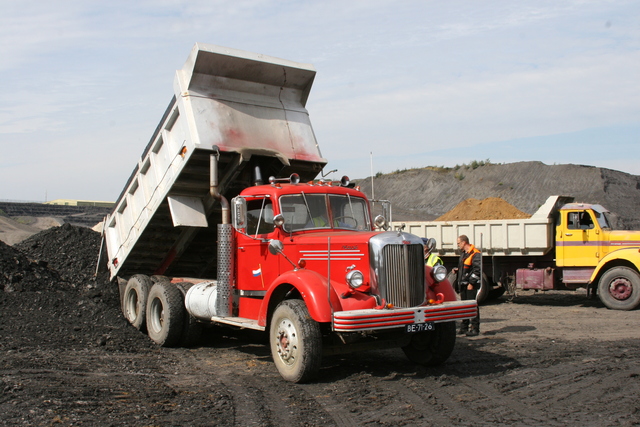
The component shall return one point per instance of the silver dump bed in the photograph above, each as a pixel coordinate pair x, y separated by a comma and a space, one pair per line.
500, 237
248, 107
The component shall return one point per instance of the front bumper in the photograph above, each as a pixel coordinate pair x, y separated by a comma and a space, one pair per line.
375, 319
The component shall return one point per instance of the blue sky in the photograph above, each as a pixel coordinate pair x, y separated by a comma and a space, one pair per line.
400, 84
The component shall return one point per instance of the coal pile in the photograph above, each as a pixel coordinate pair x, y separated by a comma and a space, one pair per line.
18, 273
52, 298
71, 251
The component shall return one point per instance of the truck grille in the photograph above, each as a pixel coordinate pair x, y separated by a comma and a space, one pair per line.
401, 275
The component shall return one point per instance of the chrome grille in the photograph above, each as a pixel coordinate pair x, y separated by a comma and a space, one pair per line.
401, 279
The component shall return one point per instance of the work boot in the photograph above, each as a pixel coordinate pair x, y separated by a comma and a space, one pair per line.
464, 329
473, 332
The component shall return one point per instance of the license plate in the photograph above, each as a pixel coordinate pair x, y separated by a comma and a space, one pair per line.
419, 327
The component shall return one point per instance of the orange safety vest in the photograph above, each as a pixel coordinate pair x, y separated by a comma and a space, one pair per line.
469, 258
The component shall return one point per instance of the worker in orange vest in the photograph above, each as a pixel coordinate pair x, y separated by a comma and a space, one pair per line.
468, 282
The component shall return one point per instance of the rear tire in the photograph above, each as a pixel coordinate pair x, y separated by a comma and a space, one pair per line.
619, 288
192, 329
165, 314
296, 342
134, 300
432, 348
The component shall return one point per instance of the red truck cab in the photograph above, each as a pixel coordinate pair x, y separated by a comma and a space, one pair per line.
317, 243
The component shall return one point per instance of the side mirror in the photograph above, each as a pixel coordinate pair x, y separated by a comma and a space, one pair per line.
239, 212
382, 221
278, 220
379, 221
275, 247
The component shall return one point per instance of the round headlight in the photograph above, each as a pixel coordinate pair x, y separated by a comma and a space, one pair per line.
379, 221
355, 279
439, 273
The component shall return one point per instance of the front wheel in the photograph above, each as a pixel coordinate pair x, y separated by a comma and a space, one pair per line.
619, 288
296, 341
431, 348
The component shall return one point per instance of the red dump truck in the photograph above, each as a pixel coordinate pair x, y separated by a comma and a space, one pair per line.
564, 245
199, 236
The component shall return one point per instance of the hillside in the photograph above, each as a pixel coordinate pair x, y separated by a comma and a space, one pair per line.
427, 193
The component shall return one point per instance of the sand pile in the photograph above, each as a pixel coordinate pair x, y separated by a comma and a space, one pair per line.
489, 208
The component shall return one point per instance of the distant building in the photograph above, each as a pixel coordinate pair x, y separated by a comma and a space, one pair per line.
69, 202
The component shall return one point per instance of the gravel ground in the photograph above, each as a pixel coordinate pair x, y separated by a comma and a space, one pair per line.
70, 358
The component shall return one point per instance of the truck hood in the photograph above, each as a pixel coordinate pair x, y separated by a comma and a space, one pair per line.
619, 239
337, 237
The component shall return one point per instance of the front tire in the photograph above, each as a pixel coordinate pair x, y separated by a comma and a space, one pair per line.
165, 314
134, 300
432, 348
619, 288
296, 342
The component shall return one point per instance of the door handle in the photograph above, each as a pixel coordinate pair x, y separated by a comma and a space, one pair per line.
568, 234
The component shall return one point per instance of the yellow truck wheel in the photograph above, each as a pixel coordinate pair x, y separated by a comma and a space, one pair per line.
619, 288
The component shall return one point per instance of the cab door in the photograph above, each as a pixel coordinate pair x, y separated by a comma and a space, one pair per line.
256, 267
578, 239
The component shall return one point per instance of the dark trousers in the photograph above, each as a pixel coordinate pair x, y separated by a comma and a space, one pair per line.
466, 294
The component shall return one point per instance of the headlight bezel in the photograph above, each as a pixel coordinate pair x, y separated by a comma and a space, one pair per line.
439, 273
355, 279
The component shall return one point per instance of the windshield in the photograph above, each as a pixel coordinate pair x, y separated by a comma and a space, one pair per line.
603, 220
321, 211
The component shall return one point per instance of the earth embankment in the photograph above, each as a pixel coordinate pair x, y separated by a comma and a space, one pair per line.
427, 193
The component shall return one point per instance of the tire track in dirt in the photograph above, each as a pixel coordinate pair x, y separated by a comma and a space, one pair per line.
259, 395
334, 408
575, 389
473, 401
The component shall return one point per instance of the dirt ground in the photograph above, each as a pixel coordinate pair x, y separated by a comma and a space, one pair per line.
70, 358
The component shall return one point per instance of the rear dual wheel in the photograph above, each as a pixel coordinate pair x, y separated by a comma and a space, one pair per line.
165, 314
191, 328
134, 300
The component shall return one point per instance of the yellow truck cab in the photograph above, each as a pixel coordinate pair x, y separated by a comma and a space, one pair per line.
591, 252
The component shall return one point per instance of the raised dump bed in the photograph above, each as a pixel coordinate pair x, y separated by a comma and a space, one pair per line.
248, 111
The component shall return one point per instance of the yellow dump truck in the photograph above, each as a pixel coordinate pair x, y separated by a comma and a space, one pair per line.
564, 245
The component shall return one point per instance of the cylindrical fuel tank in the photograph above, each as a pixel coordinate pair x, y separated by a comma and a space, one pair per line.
200, 300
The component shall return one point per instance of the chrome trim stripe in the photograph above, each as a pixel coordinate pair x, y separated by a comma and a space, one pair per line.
373, 319
336, 255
